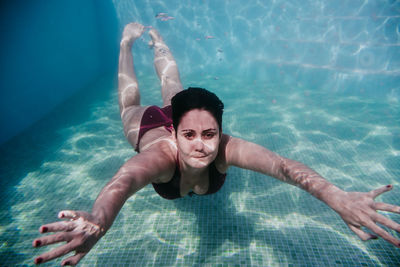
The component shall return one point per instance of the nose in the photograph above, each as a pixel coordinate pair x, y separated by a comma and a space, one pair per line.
198, 145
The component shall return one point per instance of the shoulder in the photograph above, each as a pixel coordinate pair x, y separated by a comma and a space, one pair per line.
230, 144
221, 160
241, 153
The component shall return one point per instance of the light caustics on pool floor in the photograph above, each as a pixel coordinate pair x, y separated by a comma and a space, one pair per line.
254, 220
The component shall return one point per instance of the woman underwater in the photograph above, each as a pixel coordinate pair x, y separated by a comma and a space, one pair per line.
182, 150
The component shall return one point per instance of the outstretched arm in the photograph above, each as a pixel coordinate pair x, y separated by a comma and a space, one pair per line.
356, 209
83, 230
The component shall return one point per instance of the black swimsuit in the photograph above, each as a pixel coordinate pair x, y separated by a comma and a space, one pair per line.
172, 189
155, 117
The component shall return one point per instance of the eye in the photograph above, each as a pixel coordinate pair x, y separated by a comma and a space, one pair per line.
189, 135
209, 135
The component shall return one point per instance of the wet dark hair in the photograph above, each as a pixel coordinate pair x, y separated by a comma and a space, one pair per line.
196, 98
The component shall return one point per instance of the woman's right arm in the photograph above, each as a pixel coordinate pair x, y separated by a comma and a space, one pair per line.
83, 229
129, 179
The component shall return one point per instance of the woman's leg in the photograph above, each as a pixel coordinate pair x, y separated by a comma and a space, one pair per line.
166, 68
128, 90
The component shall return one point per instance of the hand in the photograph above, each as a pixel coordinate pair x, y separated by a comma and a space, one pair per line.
80, 233
359, 209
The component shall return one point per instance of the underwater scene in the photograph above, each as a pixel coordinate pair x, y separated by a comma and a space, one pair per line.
314, 81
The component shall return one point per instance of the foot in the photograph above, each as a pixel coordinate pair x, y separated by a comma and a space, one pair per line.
131, 32
156, 38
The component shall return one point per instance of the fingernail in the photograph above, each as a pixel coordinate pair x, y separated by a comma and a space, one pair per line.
38, 260
37, 243
44, 229
389, 186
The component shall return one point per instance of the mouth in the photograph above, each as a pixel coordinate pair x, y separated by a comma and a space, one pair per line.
199, 156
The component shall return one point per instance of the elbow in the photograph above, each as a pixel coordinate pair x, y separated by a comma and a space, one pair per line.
288, 173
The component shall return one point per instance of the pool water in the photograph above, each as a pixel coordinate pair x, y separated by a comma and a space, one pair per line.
65, 160
315, 82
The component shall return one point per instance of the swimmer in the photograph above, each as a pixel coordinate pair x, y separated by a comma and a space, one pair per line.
182, 150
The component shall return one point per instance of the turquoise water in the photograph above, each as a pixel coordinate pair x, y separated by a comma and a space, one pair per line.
65, 160
317, 82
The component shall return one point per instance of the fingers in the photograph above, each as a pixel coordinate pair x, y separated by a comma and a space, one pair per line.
73, 260
68, 214
382, 233
57, 252
361, 234
63, 225
56, 227
51, 239
387, 207
379, 218
383, 189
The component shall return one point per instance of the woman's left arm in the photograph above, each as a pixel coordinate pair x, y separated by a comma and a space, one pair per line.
356, 209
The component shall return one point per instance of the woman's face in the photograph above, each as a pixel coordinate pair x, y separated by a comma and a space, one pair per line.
198, 138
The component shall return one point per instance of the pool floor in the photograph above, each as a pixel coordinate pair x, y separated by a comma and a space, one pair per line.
64, 160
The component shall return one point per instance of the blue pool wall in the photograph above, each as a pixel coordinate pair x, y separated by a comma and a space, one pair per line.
49, 51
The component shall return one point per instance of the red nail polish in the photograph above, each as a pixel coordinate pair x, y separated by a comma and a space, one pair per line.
389, 186
38, 260
44, 229
37, 243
